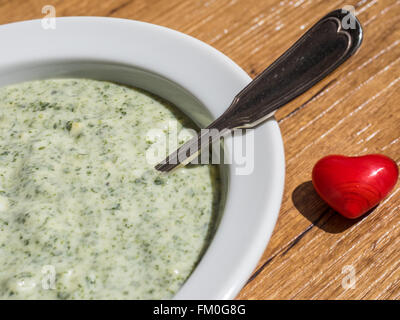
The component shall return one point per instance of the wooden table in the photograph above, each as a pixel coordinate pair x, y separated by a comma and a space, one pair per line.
355, 111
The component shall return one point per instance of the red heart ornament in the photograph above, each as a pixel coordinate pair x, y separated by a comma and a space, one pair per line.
354, 185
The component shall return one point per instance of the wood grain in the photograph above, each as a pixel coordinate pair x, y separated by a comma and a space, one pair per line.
354, 111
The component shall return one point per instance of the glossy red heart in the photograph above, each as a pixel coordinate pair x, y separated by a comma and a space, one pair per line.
354, 185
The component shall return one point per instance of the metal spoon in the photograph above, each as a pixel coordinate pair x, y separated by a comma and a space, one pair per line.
323, 48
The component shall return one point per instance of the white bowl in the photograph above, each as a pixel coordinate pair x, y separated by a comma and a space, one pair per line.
191, 75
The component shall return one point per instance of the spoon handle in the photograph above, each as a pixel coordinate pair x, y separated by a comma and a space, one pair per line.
323, 48
316, 54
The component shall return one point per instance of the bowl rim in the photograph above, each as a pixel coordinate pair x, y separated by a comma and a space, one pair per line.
229, 261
